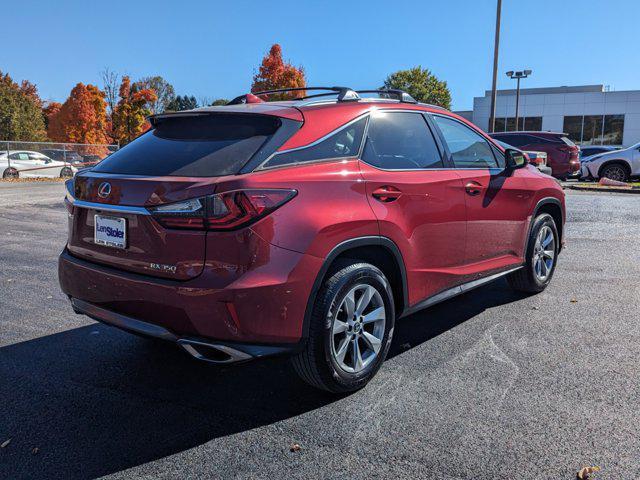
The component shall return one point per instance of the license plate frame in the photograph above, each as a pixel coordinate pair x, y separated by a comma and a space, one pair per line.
110, 231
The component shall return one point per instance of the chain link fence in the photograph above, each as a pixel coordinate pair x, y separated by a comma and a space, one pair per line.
48, 159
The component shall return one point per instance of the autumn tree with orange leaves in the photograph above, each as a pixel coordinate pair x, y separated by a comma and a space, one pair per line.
129, 118
82, 118
275, 73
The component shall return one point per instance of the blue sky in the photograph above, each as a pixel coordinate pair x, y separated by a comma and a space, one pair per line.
211, 49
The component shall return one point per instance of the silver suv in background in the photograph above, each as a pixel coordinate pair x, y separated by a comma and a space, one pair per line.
621, 165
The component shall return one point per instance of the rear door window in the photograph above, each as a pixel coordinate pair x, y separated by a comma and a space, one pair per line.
401, 141
204, 145
468, 149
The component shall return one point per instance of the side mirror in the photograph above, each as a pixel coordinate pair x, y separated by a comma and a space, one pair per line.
515, 158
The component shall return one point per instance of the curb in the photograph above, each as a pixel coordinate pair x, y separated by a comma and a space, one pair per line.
631, 190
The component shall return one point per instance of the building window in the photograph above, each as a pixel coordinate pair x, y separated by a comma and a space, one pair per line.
533, 124
613, 128
592, 130
573, 127
524, 123
595, 129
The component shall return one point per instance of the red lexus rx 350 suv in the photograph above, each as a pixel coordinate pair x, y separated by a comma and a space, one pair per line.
303, 227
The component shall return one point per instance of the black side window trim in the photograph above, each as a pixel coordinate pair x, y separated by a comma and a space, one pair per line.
264, 164
449, 156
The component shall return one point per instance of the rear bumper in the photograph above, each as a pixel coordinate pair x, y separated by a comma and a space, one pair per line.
261, 305
202, 349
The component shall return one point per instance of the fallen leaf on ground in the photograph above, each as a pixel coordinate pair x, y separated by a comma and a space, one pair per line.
5, 443
35, 450
535, 308
574, 300
583, 473
295, 448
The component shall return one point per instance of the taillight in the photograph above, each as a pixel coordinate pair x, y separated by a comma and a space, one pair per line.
222, 211
69, 186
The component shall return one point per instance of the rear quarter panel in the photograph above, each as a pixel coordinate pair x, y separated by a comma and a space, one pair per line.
329, 208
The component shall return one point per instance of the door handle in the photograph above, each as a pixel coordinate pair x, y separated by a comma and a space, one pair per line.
386, 193
473, 188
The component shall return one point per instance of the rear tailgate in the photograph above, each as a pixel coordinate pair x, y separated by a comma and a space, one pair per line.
148, 247
183, 158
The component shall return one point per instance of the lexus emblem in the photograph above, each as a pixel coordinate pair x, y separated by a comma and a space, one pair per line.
104, 190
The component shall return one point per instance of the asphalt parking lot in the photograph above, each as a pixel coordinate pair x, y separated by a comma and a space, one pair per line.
488, 385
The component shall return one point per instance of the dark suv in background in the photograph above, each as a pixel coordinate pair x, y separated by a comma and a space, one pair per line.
563, 156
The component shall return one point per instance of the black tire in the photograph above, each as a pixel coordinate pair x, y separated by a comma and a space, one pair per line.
66, 172
316, 364
615, 171
526, 279
10, 173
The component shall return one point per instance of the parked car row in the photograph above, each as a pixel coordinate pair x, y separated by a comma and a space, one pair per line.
537, 159
74, 158
24, 163
563, 156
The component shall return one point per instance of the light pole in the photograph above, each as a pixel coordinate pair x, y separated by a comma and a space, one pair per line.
518, 76
496, 44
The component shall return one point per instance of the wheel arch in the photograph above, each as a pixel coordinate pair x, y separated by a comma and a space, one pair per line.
553, 207
620, 161
377, 250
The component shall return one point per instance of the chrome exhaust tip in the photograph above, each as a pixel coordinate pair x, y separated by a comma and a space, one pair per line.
213, 352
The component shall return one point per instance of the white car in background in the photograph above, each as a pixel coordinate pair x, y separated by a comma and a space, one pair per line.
27, 164
619, 165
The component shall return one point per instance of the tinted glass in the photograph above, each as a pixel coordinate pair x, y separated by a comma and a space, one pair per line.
194, 146
401, 141
468, 148
572, 125
499, 156
592, 130
533, 123
613, 128
344, 143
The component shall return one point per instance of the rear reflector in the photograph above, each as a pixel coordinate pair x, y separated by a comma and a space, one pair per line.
222, 211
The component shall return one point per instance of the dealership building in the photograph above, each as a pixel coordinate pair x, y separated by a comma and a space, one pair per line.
590, 114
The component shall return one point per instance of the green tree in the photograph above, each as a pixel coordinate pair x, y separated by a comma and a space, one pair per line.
422, 85
182, 102
21, 116
219, 101
163, 90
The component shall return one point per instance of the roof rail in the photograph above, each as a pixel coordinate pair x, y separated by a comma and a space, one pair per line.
345, 94
396, 93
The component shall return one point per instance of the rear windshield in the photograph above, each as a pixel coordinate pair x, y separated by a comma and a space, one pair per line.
193, 146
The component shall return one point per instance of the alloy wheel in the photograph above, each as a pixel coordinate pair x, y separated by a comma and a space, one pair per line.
358, 328
544, 252
616, 173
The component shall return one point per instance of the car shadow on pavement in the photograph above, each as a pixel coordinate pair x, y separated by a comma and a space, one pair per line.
95, 401
426, 324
